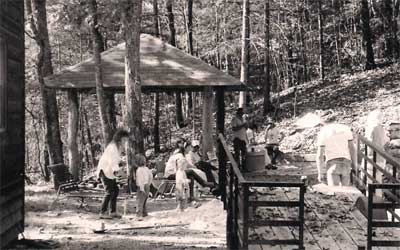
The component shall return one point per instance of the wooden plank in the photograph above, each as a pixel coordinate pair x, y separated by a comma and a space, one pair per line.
315, 226
11, 207
10, 235
4, 198
362, 221
285, 232
325, 212
11, 220
310, 242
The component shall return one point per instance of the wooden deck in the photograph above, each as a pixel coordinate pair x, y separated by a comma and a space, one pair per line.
331, 220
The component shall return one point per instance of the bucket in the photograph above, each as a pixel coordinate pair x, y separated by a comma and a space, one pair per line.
255, 160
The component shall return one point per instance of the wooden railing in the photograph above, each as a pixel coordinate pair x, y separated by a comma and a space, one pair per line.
371, 182
240, 207
363, 147
372, 224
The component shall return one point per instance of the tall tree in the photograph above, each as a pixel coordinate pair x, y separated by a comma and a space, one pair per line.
207, 121
244, 65
267, 105
367, 35
131, 16
156, 95
189, 26
98, 47
37, 16
392, 48
172, 41
189, 41
321, 40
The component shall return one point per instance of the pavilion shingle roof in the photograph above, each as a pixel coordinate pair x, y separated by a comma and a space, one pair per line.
162, 68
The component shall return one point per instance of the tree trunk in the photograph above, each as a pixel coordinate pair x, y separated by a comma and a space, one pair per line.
337, 19
207, 121
244, 66
189, 26
172, 41
73, 120
38, 23
156, 21
321, 41
89, 137
303, 43
189, 46
98, 46
156, 95
390, 27
267, 105
367, 35
131, 20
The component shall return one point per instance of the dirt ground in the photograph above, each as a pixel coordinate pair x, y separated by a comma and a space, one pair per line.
68, 226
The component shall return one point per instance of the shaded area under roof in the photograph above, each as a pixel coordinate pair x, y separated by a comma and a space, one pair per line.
162, 68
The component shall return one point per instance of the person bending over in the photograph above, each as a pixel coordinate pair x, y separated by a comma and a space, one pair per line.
106, 170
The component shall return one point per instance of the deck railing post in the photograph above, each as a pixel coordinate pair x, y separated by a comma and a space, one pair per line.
229, 226
245, 203
365, 166
236, 209
394, 191
371, 190
301, 217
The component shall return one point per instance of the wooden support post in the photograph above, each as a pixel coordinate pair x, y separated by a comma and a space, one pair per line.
245, 211
73, 120
301, 217
221, 151
371, 190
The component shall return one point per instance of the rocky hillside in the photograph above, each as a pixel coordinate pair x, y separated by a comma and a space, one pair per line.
346, 100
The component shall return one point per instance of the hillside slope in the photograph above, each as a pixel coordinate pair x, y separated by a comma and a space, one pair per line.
346, 100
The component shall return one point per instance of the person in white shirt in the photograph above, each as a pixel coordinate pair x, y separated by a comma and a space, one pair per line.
195, 161
144, 178
335, 154
107, 168
375, 132
171, 166
272, 140
239, 138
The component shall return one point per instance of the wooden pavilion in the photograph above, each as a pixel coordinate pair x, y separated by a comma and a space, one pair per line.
163, 68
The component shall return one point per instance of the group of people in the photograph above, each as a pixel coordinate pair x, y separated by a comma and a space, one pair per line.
182, 166
244, 139
107, 170
336, 157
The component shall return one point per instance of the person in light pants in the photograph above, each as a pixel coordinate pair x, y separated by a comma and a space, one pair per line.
144, 177
335, 154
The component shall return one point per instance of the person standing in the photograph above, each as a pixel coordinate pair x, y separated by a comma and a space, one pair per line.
272, 140
239, 138
106, 170
375, 132
335, 154
144, 178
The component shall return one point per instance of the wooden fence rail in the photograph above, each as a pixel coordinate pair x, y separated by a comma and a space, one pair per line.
240, 206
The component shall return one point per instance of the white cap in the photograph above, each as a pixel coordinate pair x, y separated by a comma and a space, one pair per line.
195, 143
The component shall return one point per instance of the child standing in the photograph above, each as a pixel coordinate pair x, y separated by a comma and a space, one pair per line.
182, 183
144, 177
272, 139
